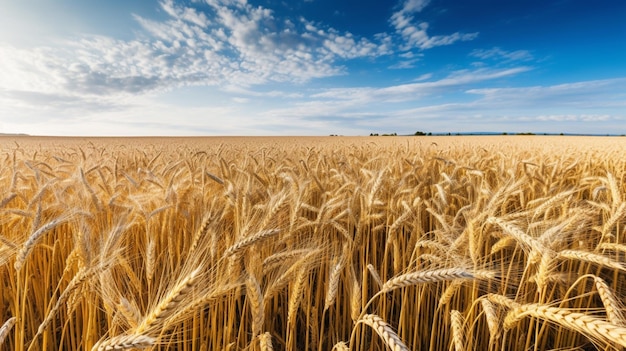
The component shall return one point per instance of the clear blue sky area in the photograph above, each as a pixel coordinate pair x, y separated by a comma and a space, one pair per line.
311, 67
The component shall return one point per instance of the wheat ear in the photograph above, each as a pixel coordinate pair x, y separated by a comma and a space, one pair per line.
527, 241
200, 233
385, 331
80, 278
6, 327
493, 321
591, 258
150, 260
334, 277
341, 346
248, 241
166, 307
356, 298
458, 334
580, 322
433, 276
33, 239
255, 298
375, 275
129, 311
333, 285
611, 304
279, 259
125, 342
449, 292
616, 194
614, 219
265, 340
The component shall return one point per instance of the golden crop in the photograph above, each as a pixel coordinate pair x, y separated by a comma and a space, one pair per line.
420, 243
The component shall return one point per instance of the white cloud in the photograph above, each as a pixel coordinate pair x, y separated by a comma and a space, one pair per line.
242, 45
414, 5
185, 13
415, 35
238, 44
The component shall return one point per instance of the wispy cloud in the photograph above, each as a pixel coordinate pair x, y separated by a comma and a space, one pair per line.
363, 105
606, 93
497, 53
385, 109
415, 34
413, 91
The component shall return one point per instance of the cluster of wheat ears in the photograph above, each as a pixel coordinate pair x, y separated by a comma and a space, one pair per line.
278, 245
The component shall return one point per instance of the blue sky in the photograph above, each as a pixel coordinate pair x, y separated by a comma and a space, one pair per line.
311, 67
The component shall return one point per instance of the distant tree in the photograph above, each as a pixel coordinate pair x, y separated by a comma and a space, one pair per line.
505, 133
418, 133
430, 134
561, 134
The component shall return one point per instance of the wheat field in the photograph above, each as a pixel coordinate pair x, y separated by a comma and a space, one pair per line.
374, 243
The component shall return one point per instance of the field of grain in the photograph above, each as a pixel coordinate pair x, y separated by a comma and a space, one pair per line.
374, 243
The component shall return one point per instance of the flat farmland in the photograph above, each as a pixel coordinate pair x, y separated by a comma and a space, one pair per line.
313, 243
